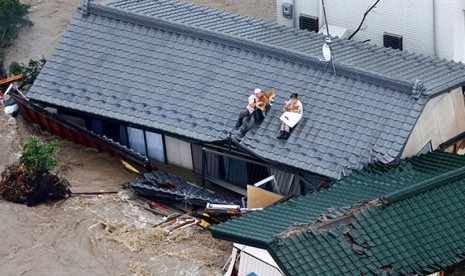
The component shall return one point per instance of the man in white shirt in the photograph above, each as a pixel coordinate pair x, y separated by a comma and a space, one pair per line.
249, 109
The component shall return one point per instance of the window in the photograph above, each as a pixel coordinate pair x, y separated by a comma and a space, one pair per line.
155, 149
137, 140
427, 148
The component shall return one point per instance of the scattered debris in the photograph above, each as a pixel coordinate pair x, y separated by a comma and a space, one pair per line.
39, 187
217, 213
165, 186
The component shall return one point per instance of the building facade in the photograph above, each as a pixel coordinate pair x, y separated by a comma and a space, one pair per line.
432, 27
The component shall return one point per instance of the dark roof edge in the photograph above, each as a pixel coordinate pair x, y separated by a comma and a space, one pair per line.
245, 241
290, 55
424, 186
443, 146
444, 89
129, 124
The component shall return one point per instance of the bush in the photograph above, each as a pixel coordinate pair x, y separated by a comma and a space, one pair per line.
15, 68
37, 157
12, 19
29, 71
30, 181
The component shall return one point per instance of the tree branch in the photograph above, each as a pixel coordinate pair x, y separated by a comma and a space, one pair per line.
363, 19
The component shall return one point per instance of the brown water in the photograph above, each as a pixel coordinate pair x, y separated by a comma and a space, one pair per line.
94, 235
100, 236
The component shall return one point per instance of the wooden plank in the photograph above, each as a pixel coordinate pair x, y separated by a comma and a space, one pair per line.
11, 79
259, 198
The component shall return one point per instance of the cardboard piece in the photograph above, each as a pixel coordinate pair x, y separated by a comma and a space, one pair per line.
259, 198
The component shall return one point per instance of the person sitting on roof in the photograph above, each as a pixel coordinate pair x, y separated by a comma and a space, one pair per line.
249, 109
293, 110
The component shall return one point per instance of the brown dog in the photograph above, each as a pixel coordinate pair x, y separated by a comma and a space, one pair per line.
266, 100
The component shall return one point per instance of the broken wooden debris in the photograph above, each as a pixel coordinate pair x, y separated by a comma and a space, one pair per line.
163, 185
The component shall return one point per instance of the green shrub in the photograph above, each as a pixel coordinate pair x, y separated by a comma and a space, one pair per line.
15, 68
29, 71
38, 156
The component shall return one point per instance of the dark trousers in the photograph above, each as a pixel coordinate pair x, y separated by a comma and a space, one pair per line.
245, 114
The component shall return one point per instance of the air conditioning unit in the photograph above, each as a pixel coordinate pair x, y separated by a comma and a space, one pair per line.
392, 41
334, 30
309, 23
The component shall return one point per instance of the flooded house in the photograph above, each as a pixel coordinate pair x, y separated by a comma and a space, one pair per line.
404, 218
168, 79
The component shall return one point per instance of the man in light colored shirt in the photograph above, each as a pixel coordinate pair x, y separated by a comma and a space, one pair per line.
249, 109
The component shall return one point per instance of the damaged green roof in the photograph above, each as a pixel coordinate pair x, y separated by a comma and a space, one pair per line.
418, 225
370, 183
420, 234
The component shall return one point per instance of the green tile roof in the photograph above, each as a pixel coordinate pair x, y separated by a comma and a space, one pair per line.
418, 234
370, 183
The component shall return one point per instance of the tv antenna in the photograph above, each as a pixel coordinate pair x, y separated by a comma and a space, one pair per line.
328, 55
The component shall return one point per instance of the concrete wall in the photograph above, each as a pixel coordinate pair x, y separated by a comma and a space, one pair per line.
442, 119
413, 19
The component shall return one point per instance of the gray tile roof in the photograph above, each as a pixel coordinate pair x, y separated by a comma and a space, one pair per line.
187, 70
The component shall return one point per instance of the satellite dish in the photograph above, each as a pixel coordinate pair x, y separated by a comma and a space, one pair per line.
326, 52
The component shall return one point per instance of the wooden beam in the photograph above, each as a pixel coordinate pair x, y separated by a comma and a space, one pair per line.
11, 79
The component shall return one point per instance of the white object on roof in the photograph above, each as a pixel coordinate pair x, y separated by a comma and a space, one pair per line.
334, 30
290, 118
326, 52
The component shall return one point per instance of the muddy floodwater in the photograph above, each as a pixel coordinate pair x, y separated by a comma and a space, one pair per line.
100, 236
94, 235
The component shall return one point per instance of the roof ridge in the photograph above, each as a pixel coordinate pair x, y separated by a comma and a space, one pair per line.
424, 186
241, 42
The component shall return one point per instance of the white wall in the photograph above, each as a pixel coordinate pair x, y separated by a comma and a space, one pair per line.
178, 152
249, 263
412, 19
442, 119
459, 30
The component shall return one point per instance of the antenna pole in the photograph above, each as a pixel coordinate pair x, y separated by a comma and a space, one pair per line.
324, 14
